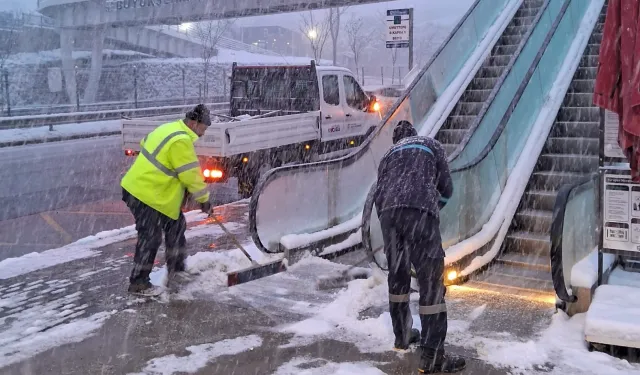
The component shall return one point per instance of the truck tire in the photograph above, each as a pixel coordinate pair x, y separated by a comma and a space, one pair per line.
248, 181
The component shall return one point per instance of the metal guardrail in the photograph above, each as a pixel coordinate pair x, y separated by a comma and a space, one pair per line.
104, 106
31, 121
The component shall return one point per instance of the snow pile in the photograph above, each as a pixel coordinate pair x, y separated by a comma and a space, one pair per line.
621, 277
584, 274
353, 240
20, 341
200, 357
310, 366
83, 248
613, 314
294, 241
213, 268
43, 132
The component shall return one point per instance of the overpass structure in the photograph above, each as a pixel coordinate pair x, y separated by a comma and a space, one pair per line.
100, 19
82, 14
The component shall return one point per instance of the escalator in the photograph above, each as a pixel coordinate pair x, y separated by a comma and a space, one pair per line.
317, 196
569, 156
465, 115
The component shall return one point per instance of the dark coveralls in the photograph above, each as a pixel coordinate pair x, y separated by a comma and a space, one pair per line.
151, 224
414, 183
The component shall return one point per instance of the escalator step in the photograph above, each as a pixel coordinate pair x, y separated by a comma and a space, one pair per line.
522, 21
575, 130
595, 38
451, 136
588, 114
515, 30
525, 12
504, 50
475, 96
589, 61
586, 73
573, 145
510, 39
592, 49
569, 162
466, 109
553, 180
528, 243
499, 60
490, 72
516, 277
449, 148
578, 99
482, 83
535, 221
458, 122
540, 200
542, 263
582, 85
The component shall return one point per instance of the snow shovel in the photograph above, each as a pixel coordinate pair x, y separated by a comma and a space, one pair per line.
256, 270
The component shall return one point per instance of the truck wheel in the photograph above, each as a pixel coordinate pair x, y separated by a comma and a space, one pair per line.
248, 182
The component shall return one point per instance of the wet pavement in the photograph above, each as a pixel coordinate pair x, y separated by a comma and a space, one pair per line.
124, 333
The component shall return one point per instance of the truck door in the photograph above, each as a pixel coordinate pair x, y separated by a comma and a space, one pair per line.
333, 126
357, 121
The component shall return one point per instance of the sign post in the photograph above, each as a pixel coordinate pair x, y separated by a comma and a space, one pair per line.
400, 30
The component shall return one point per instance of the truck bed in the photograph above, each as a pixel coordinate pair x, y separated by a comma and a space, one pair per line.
226, 139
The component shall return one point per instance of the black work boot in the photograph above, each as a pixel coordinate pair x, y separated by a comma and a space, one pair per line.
434, 362
414, 337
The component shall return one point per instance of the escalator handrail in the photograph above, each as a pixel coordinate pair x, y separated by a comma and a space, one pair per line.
358, 152
494, 93
516, 99
557, 228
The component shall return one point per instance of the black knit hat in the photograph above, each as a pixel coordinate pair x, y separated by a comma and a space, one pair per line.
200, 114
404, 129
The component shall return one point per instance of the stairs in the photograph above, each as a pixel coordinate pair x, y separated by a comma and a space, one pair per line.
459, 122
570, 154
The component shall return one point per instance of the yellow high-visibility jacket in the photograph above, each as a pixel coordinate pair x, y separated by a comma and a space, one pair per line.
166, 165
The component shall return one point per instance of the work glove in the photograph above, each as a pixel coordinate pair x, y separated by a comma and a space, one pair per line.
205, 207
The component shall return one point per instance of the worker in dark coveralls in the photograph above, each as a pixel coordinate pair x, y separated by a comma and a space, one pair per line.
154, 189
413, 184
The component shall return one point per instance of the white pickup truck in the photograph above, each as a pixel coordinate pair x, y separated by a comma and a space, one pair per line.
278, 115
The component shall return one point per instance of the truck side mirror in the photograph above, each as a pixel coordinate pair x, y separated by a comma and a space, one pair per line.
373, 105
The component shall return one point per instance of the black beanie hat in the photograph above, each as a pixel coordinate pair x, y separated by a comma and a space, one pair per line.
404, 129
200, 114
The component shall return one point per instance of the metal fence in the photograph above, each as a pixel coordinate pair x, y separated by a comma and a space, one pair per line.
381, 76
43, 90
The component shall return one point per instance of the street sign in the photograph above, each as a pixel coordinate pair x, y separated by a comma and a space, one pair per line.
54, 79
399, 28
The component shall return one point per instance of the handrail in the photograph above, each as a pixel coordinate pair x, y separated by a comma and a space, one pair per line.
494, 93
357, 153
557, 229
514, 102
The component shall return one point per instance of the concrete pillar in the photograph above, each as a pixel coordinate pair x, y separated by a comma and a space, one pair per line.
68, 64
91, 91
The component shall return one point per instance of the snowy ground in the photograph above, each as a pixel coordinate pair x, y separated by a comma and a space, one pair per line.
42, 133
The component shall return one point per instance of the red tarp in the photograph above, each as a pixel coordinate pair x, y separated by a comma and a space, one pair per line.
617, 86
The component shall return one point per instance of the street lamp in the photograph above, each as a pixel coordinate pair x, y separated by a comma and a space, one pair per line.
312, 33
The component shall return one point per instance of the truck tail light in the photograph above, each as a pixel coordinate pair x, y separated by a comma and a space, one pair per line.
128, 152
212, 173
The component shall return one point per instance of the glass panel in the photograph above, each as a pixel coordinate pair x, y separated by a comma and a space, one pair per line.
331, 90
579, 233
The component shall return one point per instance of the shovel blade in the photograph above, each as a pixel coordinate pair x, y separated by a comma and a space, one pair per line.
255, 272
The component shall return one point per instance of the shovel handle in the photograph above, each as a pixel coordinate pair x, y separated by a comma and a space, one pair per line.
233, 238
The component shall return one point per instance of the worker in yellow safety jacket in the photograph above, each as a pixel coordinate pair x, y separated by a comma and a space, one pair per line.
154, 189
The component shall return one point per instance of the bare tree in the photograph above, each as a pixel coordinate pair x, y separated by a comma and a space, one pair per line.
335, 14
209, 34
359, 37
316, 31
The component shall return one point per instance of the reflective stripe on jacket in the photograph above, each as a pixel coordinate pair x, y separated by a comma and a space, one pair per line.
166, 165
